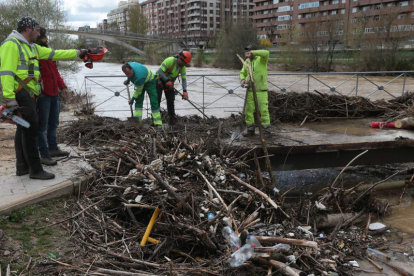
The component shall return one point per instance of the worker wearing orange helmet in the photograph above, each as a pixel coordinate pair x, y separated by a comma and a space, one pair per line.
168, 72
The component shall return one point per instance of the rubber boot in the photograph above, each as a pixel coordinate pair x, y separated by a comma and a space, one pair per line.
42, 175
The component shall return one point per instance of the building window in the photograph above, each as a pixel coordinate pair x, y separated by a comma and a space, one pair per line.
404, 3
310, 5
366, 8
335, 2
283, 18
353, 20
275, 1
412, 15
308, 15
368, 30
334, 12
402, 16
284, 8
342, 11
325, 13
378, 7
343, 1
300, 16
376, 18
389, 5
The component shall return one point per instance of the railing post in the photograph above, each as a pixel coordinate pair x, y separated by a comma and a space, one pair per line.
357, 82
403, 88
308, 81
203, 95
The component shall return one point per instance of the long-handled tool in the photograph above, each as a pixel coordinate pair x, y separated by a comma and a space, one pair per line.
12, 115
178, 92
132, 118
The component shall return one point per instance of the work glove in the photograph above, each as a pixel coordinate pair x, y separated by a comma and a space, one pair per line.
243, 83
131, 101
169, 86
185, 95
83, 53
127, 82
11, 103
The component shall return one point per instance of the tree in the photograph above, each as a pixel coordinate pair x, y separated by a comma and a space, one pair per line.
137, 22
232, 41
48, 13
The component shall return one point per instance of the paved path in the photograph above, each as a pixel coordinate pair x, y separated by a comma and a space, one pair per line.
21, 188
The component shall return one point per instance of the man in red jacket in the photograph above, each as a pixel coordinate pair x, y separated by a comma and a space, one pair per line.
48, 105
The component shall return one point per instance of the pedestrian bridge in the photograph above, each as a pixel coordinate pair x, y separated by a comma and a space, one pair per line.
120, 38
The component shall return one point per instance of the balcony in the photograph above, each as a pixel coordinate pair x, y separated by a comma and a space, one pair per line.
192, 21
263, 16
198, 28
194, 14
195, 7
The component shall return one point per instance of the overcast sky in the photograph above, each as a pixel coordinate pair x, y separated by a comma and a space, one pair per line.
81, 12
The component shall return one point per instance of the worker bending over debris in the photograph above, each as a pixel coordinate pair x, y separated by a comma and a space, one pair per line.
19, 79
167, 74
258, 60
144, 80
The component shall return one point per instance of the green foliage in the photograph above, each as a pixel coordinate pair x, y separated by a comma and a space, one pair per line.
199, 58
48, 13
232, 41
137, 22
156, 53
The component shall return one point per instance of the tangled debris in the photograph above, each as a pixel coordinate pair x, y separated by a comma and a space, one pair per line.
293, 106
160, 200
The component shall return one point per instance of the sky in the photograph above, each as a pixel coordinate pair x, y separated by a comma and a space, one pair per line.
81, 12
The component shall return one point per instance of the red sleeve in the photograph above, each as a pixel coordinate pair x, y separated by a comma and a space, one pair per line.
61, 83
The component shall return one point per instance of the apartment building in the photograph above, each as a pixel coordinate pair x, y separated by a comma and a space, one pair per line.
274, 17
195, 22
120, 15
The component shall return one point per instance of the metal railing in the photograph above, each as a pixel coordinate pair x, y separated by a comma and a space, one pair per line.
221, 94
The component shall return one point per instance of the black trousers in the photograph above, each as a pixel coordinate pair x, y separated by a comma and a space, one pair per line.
25, 140
170, 97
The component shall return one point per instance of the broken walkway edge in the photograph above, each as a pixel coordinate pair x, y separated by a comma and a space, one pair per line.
68, 187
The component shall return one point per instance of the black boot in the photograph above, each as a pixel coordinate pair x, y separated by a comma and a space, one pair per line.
48, 161
172, 120
58, 153
21, 169
42, 175
249, 133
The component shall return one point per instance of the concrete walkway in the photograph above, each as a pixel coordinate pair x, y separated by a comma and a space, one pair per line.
19, 191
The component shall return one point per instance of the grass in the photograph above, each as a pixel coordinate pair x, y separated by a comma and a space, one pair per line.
24, 242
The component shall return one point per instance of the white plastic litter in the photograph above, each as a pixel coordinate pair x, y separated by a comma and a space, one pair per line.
376, 226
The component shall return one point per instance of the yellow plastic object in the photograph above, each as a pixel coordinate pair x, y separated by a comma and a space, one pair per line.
153, 241
149, 227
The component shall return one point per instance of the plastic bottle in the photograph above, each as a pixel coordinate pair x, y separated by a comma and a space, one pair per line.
241, 255
231, 237
378, 254
253, 240
282, 247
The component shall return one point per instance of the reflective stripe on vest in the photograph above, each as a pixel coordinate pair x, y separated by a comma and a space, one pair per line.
31, 68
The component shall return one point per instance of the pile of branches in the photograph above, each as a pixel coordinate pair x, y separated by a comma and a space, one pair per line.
294, 107
159, 201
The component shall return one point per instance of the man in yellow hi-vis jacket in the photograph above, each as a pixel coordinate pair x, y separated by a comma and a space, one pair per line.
19, 83
258, 60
